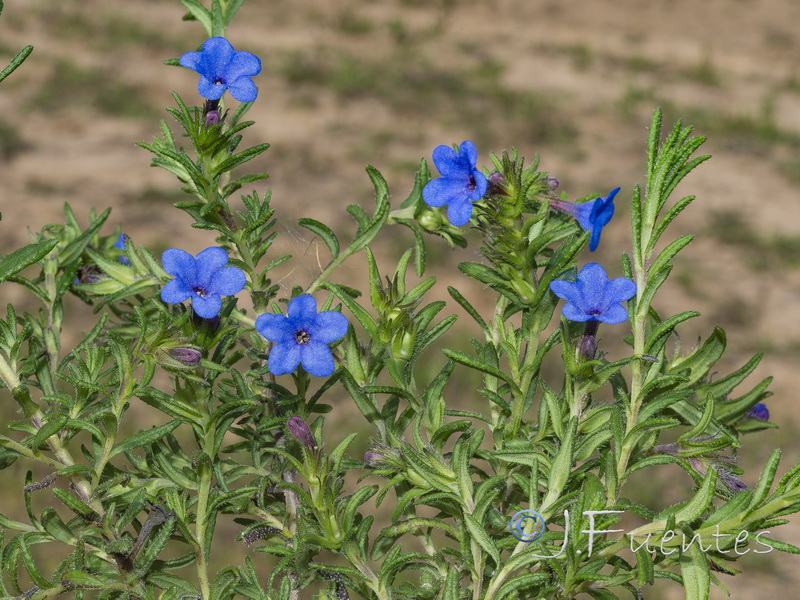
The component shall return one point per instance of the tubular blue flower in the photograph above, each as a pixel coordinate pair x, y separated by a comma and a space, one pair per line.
302, 337
592, 216
460, 185
759, 411
221, 68
593, 297
204, 279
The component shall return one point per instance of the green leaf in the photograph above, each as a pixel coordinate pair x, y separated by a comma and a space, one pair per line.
202, 14
702, 425
765, 481
464, 303
478, 533
478, 365
696, 574
657, 339
15, 262
514, 586
324, 232
144, 438
16, 62
240, 158
363, 317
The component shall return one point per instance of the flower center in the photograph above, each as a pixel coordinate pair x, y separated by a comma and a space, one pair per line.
472, 185
301, 336
200, 291
218, 81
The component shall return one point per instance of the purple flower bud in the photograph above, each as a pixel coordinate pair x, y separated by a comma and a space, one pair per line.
588, 347
760, 412
372, 458
300, 430
212, 118
733, 482
552, 183
187, 356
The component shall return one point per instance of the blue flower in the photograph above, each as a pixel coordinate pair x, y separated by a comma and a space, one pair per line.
592, 297
592, 216
203, 279
120, 245
759, 411
302, 337
460, 184
221, 68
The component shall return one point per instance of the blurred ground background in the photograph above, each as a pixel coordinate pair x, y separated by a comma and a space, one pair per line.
383, 82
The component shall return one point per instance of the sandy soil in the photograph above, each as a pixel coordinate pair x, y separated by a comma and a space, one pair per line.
582, 78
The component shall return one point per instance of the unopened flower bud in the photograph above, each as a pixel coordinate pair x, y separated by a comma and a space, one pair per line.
588, 347
496, 183
373, 459
403, 345
188, 356
430, 220
760, 412
300, 430
552, 183
212, 118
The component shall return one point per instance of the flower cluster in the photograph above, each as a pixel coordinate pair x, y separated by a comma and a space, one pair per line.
302, 337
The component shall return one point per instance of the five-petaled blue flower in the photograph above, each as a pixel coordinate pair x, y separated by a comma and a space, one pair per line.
592, 216
593, 297
302, 337
460, 185
203, 279
221, 68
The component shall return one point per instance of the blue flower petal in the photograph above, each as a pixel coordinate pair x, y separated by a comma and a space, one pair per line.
439, 192
302, 309
459, 212
481, 185
283, 358
619, 290
328, 327
227, 281
176, 291
208, 89
616, 313
243, 90
566, 290
317, 359
275, 328
594, 240
574, 313
179, 263
191, 60
243, 64
217, 54
208, 306
211, 259
447, 161
468, 153
582, 213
